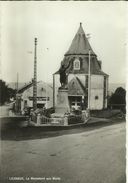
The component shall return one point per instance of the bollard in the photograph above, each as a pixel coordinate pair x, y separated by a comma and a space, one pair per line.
65, 120
87, 113
29, 121
38, 119
10, 112
84, 118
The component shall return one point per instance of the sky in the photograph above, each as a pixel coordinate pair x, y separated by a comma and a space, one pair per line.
55, 25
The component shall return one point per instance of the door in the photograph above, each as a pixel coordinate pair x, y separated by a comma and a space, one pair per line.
75, 102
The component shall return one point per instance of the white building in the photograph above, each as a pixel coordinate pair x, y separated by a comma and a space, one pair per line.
44, 96
77, 57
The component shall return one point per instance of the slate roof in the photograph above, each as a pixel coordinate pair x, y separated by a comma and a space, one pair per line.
40, 85
95, 66
80, 44
80, 49
25, 87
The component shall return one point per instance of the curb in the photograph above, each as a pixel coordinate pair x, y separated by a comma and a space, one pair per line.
87, 123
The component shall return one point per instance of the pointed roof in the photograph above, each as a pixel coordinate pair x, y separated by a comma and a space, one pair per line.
40, 86
75, 87
80, 44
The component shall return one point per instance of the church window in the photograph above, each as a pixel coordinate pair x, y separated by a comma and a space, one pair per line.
76, 64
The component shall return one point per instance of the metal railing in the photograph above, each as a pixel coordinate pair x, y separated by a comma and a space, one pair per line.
75, 119
67, 119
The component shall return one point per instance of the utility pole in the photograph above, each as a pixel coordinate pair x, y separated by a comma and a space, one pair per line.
89, 80
17, 82
35, 76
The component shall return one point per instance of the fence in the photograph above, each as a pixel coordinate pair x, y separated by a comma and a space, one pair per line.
40, 119
122, 107
43, 120
75, 119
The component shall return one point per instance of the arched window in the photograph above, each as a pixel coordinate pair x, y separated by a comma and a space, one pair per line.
76, 64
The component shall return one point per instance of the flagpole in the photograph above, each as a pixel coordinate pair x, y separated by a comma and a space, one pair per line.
89, 81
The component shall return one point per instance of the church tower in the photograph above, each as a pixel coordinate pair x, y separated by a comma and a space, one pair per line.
77, 57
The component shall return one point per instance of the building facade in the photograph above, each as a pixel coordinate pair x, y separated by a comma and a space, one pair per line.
77, 60
44, 96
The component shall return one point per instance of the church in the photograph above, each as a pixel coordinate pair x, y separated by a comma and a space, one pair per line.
84, 76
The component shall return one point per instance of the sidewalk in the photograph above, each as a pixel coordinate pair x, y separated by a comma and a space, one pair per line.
97, 120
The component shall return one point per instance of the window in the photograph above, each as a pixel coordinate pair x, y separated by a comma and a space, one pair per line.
73, 103
96, 97
25, 103
78, 103
40, 105
76, 64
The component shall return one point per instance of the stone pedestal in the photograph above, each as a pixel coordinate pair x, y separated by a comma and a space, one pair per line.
62, 101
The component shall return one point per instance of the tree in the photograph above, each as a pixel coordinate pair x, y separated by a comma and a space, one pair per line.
118, 99
5, 92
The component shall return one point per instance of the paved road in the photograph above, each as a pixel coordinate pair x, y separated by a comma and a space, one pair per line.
96, 155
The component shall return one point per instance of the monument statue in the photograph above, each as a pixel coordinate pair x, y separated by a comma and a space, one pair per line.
63, 75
